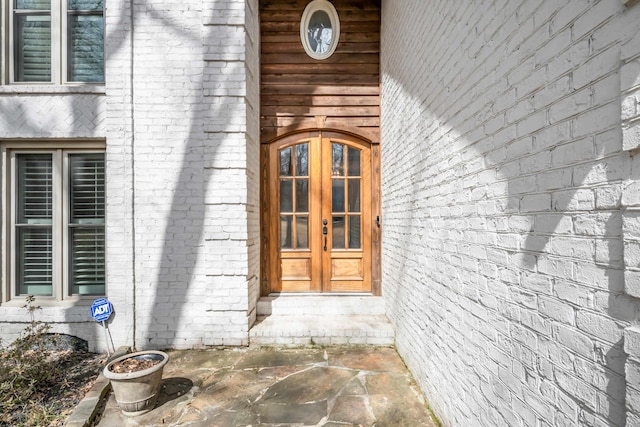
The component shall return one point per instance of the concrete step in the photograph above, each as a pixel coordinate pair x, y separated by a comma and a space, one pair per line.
327, 305
308, 329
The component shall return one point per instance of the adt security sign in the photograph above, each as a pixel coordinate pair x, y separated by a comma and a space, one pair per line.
101, 309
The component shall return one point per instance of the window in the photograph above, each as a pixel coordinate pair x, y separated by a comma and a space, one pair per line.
57, 225
57, 41
319, 29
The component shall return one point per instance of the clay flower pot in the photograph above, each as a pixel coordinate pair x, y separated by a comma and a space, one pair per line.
136, 392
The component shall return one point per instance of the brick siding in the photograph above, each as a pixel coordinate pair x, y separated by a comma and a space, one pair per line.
179, 113
503, 171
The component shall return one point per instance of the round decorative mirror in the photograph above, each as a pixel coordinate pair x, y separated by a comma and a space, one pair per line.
320, 29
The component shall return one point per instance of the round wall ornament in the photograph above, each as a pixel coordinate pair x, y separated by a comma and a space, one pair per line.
320, 29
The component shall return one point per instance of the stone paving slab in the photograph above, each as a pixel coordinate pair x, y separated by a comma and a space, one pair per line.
312, 386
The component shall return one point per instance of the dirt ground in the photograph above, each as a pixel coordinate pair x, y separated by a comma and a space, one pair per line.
76, 371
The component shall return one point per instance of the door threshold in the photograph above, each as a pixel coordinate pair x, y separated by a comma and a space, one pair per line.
320, 294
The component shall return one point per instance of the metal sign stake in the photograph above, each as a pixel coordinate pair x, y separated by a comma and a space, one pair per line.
106, 338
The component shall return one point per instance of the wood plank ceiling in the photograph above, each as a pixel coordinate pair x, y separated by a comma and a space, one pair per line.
298, 92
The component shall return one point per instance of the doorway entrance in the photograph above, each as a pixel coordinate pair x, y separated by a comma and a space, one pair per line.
318, 213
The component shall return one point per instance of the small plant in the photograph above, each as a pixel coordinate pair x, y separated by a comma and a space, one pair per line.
26, 370
40, 383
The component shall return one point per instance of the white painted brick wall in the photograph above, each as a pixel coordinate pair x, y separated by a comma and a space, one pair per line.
45, 113
193, 195
180, 114
42, 112
504, 184
119, 205
632, 348
630, 112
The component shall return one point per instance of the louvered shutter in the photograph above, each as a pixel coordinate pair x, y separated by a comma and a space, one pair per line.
34, 236
32, 20
86, 224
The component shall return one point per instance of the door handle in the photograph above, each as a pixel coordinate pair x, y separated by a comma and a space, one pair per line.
325, 232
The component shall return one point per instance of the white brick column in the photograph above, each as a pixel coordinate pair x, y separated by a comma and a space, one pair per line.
195, 171
120, 255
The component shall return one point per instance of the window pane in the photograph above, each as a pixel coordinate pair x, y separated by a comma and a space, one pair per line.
285, 162
86, 4
86, 48
337, 195
337, 234
34, 189
354, 195
86, 175
353, 162
86, 209
354, 232
34, 245
302, 232
33, 4
87, 261
302, 195
337, 159
34, 254
319, 32
286, 195
302, 160
285, 232
33, 48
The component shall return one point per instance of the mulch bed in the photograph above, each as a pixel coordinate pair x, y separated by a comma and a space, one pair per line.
76, 372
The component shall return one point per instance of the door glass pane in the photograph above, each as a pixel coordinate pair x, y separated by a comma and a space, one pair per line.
337, 232
286, 232
86, 48
286, 195
337, 159
33, 48
302, 195
354, 232
354, 195
337, 195
353, 167
286, 168
35, 261
87, 261
302, 160
302, 232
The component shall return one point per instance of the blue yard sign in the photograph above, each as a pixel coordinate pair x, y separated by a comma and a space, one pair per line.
101, 310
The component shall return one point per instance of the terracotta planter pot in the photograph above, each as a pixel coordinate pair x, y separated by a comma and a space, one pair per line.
137, 392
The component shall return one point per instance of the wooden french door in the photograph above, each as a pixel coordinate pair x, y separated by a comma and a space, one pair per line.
320, 214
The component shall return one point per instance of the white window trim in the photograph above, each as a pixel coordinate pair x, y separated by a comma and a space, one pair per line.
59, 46
60, 269
330, 10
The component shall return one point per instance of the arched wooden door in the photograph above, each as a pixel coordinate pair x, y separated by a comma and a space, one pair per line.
319, 220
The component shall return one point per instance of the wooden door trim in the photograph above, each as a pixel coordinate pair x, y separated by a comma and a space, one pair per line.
270, 248
376, 226
347, 131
